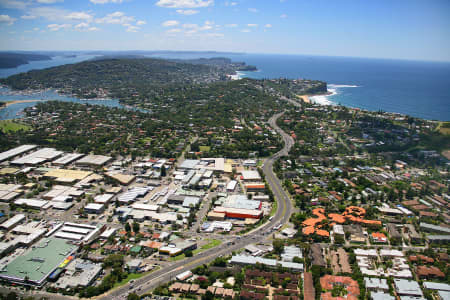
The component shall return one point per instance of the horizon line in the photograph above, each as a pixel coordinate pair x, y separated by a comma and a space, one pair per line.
242, 53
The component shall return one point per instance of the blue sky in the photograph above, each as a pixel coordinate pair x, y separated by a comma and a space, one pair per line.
407, 29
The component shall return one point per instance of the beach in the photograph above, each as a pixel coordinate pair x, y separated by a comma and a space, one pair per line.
11, 102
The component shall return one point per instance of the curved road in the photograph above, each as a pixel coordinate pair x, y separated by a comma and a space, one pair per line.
284, 210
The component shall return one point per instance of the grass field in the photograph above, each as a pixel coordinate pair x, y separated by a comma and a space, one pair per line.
10, 126
274, 208
132, 276
444, 127
211, 244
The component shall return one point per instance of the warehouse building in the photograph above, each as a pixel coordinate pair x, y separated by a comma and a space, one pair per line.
38, 157
16, 151
238, 213
94, 208
244, 260
37, 263
175, 248
77, 232
67, 159
93, 160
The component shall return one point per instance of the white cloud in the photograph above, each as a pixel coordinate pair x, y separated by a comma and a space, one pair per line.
28, 17
79, 16
56, 27
133, 29
117, 17
283, 16
173, 30
253, 10
140, 22
15, 4
82, 26
252, 25
49, 13
93, 28
170, 23
228, 3
185, 3
268, 26
36, 28
231, 25
187, 12
7, 19
245, 30
215, 34
48, 1
105, 1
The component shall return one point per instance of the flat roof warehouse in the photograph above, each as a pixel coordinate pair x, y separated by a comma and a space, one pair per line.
38, 262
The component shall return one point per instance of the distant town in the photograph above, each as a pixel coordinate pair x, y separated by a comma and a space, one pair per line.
215, 187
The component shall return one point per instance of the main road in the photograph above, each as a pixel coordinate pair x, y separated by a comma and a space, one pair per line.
282, 215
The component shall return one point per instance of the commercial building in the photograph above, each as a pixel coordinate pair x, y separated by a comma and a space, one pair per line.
405, 287
38, 157
67, 159
216, 225
37, 263
241, 202
15, 151
434, 228
9, 192
79, 273
77, 232
103, 198
66, 176
250, 176
31, 203
376, 284
231, 186
290, 252
271, 263
175, 248
93, 160
11, 222
123, 179
94, 208
237, 213
438, 239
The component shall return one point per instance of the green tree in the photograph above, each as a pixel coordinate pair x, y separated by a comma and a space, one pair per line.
133, 296
127, 227
136, 227
278, 246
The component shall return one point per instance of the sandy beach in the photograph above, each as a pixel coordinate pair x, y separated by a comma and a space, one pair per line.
11, 102
305, 98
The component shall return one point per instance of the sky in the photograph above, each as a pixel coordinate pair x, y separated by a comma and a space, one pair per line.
397, 29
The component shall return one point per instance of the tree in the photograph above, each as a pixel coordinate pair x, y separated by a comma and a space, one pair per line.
12, 296
163, 171
127, 227
188, 253
278, 246
133, 296
136, 227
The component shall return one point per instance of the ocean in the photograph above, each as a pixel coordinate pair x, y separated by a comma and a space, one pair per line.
416, 88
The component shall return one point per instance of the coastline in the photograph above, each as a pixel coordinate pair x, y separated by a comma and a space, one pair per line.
12, 102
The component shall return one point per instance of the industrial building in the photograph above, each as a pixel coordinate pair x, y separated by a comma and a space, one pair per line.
93, 160
16, 151
38, 157
37, 263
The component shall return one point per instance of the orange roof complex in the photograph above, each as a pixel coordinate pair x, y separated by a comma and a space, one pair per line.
352, 213
328, 282
337, 218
